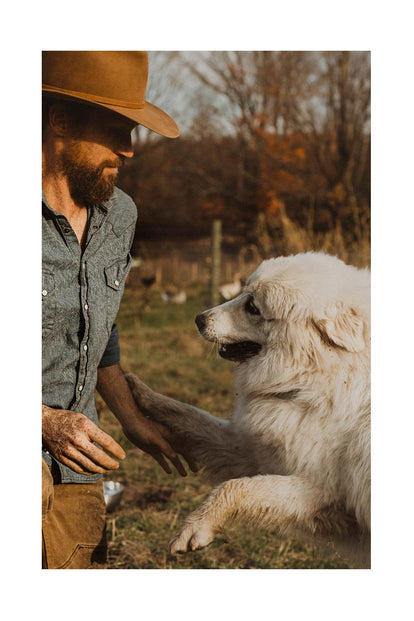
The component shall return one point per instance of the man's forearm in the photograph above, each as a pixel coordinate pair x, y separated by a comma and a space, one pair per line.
115, 391
147, 435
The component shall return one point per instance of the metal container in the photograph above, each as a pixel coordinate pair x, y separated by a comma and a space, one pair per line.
113, 492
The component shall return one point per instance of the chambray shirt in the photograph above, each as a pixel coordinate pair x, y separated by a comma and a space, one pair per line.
81, 293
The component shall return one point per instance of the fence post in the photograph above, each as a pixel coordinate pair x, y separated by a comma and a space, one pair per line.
215, 262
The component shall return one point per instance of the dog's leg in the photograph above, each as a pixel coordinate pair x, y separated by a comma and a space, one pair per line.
270, 501
208, 441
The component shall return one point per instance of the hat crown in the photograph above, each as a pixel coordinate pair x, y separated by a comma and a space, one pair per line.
111, 76
113, 80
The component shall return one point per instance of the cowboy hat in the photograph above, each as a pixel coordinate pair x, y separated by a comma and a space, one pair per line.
113, 80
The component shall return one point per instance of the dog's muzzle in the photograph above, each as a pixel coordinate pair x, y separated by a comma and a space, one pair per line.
201, 321
237, 352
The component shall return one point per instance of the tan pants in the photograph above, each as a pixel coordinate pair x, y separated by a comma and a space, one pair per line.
73, 524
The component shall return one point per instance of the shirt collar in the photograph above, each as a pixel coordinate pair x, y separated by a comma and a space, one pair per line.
105, 207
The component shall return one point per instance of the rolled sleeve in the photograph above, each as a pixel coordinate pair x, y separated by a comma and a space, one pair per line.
112, 353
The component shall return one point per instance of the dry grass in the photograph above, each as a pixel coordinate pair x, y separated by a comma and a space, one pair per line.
188, 263
297, 239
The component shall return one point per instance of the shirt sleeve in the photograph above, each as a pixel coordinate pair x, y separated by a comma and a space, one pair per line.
112, 353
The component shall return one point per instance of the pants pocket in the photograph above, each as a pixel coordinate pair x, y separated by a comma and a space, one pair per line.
86, 556
74, 531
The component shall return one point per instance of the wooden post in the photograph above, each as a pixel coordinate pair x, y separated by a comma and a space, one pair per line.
215, 262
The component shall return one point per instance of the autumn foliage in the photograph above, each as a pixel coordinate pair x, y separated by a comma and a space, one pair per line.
296, 144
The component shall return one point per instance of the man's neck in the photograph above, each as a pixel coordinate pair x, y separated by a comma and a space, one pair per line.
57, 194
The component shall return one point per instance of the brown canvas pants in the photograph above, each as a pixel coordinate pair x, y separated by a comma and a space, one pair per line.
73, 524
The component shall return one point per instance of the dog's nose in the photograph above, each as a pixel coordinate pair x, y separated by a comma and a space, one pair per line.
201, 321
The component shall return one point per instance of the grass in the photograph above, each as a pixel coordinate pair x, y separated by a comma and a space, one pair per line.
162, 345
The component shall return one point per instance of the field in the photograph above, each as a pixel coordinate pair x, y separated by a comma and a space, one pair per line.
161, 344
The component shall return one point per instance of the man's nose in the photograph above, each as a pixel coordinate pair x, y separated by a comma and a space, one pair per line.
126, 152
125, 148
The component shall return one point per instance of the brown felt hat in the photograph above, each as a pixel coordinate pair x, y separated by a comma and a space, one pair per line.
113, 80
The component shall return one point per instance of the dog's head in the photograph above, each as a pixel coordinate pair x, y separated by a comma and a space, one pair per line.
301, 303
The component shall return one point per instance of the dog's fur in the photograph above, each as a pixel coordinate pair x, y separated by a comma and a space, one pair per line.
296, 453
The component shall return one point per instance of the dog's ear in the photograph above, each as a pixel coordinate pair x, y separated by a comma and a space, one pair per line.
343, 327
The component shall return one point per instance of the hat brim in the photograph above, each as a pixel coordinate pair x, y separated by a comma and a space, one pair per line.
149, 116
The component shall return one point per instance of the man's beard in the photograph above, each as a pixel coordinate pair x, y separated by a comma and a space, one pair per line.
87, 184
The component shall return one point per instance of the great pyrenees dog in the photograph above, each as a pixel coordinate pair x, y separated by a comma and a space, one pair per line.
295, 455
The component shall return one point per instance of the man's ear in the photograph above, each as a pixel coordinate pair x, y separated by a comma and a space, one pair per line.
343, 327
58, 120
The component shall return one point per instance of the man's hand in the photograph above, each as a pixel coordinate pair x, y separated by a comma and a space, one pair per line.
150, 437
69, 437
144, 433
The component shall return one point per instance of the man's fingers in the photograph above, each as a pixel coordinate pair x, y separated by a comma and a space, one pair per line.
191, 464
179, 466
168, 438
108, 443
98, 457
92, 459
70, 463
159, 457
173, 457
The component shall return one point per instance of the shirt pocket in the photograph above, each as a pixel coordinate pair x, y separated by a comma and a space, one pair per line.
48, 301
115, 275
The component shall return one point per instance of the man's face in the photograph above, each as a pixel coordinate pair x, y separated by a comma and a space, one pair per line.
92, 154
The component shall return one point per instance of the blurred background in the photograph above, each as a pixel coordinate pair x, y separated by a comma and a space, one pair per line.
275, 145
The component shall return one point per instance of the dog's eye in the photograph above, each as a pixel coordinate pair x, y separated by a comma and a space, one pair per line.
251, 308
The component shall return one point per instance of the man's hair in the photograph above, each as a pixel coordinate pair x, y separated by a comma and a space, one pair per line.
77, 112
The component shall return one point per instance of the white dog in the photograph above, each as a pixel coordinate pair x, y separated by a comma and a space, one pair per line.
296, 453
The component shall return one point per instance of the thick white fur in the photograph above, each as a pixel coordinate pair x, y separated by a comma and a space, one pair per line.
296, 453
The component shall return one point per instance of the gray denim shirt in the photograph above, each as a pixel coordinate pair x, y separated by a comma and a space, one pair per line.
81, 293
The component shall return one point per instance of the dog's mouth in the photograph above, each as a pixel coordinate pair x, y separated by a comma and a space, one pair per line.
239, 352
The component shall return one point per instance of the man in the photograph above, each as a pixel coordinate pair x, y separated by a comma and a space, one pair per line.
91, 102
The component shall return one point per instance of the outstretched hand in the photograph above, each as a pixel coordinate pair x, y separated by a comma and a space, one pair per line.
146, 434
149, 437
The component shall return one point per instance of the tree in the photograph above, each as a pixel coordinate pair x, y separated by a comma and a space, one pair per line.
261, 130
337, 133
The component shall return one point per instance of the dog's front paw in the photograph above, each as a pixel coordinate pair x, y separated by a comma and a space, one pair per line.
192, 537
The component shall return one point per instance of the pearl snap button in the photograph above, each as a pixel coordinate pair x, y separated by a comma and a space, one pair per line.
44, 292
116, 282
